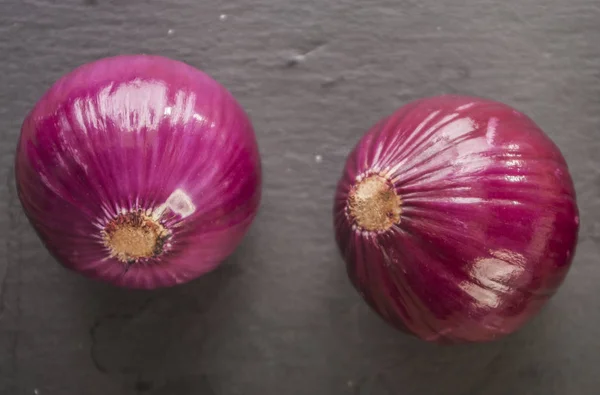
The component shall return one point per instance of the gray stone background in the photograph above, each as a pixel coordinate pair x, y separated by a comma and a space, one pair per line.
280, 317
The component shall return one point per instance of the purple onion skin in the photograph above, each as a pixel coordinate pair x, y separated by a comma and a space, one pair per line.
488, 220
152, 142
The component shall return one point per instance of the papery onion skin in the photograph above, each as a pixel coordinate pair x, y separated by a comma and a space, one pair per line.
139, 170
488, 220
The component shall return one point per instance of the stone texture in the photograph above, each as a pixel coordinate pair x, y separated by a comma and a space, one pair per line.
280, 316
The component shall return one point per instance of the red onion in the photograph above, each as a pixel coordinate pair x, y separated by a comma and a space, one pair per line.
457, 219
139, 170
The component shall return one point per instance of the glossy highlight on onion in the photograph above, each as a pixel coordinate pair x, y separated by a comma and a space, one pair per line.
139, 170
457, 219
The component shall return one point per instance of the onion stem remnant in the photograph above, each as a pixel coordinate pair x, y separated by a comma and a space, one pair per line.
373, 204
133, 236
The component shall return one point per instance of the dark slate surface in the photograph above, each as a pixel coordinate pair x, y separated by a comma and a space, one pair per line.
280, 317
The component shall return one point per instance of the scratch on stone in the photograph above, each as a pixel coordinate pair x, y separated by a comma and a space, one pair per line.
301, 56
93, 355
3, 293
332, 82
316, 47
479, 386
101, 321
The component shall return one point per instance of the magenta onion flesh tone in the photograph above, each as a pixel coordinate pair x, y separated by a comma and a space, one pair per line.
139, 170
457, 219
